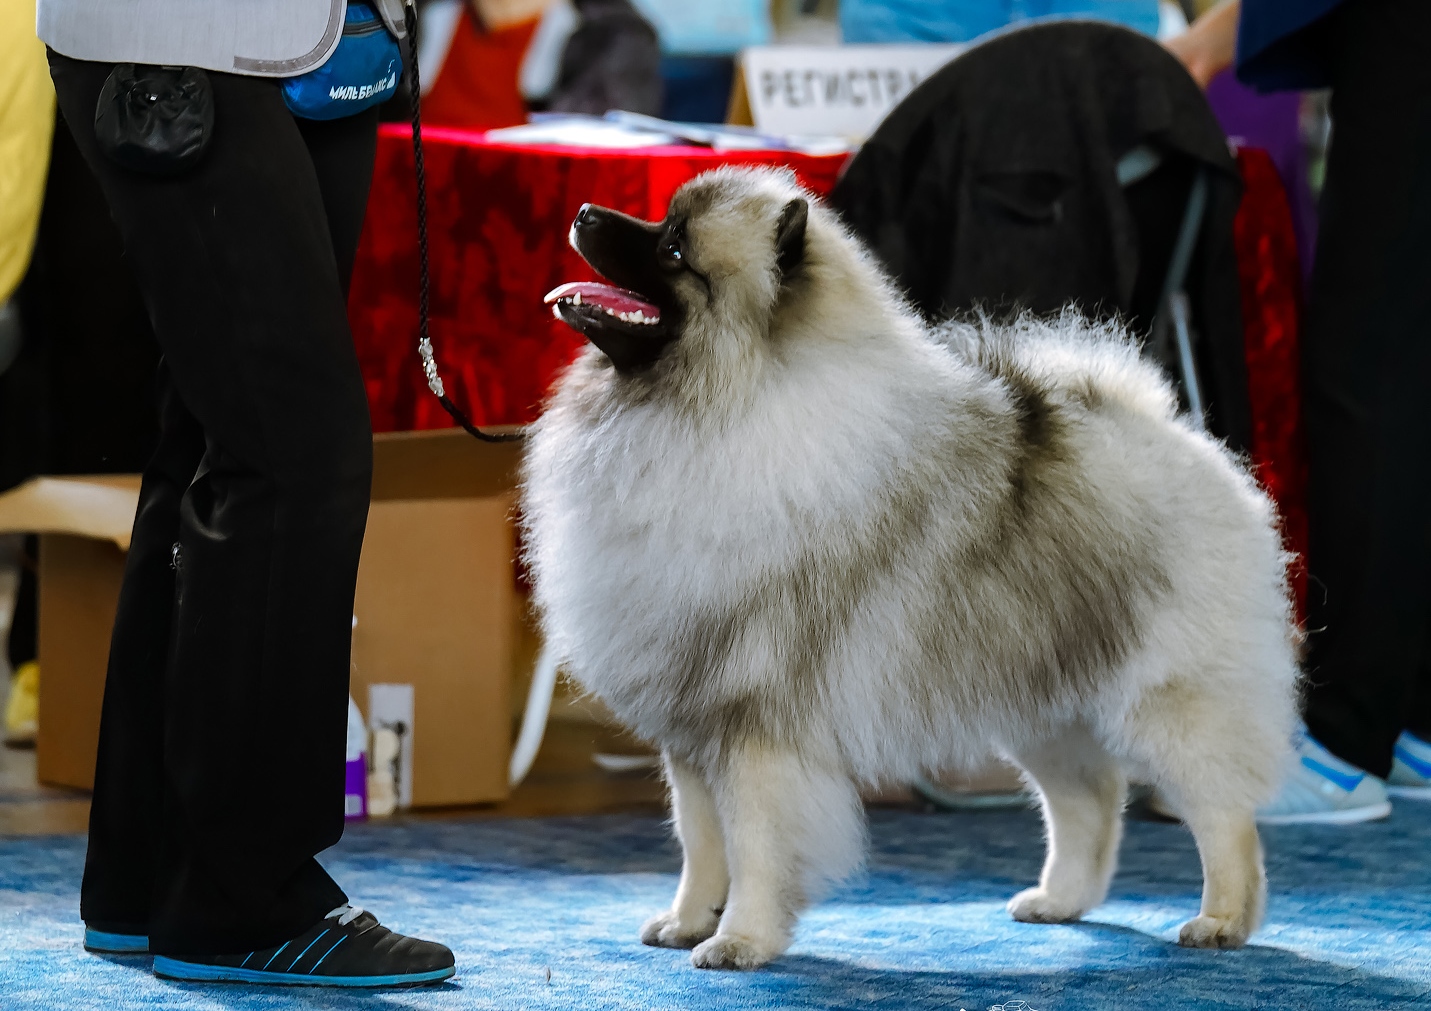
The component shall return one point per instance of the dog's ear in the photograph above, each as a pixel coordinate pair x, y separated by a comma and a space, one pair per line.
790, 236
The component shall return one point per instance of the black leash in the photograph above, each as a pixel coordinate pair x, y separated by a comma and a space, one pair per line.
424, 342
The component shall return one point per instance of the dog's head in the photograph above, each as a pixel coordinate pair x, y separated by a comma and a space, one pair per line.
710, 273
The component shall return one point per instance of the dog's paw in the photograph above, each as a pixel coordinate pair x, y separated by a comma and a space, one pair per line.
1034, 905
730, 951
665, 930
1212, 932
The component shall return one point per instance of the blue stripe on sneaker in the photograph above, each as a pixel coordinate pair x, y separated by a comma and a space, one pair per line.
310, 944
275, 955
246, 958
196, 972
327, 953
1419, 766
1348, 781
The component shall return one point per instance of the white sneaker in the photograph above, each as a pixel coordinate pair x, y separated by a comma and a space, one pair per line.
1410, 777
1321, 789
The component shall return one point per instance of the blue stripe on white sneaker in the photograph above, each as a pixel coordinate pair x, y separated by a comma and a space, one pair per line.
105, 943
196, 972
1348, 781
1417, 765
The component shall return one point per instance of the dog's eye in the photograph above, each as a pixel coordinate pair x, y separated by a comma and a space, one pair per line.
670, 250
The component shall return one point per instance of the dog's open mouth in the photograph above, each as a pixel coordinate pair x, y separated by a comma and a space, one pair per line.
629, 328
595, 297
635, 318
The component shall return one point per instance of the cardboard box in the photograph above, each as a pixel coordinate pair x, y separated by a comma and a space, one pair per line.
437, 606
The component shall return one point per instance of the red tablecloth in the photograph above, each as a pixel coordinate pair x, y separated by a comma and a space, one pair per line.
498, 217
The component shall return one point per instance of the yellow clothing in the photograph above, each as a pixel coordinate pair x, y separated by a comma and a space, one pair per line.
22, 712
27, 115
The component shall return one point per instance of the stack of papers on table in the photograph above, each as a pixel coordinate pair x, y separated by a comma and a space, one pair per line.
628, 129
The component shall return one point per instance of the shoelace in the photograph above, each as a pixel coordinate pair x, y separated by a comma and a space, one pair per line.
346, 914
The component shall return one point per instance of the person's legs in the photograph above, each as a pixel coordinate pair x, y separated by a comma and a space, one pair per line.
237, 265
1367, 386
125, 814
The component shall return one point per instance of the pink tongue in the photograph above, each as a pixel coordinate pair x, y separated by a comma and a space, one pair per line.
604, 295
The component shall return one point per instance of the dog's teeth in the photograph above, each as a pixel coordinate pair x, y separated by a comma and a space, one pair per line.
638, 317
576, 299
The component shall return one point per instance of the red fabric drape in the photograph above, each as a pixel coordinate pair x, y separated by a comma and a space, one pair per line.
498, 217
1271, 325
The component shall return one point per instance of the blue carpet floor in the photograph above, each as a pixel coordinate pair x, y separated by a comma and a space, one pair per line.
1348, 927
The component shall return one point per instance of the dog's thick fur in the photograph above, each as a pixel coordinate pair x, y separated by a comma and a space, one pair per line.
817, 544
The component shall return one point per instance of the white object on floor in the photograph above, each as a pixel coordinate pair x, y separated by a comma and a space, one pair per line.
382, 781
626, 763
357, 732
390, 710
534, 719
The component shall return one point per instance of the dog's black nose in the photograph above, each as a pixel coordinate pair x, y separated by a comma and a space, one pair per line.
584, 216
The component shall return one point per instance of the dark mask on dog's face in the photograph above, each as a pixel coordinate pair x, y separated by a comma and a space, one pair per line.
636, 317
633, 319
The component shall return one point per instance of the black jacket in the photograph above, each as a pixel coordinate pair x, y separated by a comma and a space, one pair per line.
993, 185
612, 61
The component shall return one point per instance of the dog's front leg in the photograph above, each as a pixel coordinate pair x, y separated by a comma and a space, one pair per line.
704, 878
790, 825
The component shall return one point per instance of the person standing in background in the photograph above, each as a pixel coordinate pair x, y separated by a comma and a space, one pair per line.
1366, 388
222, 743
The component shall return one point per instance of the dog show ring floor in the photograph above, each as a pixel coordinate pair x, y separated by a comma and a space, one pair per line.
544, 913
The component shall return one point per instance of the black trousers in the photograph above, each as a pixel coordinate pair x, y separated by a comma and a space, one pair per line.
1367, 383
220, 772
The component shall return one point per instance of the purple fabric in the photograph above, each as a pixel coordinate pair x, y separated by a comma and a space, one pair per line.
1271, 122
355, 790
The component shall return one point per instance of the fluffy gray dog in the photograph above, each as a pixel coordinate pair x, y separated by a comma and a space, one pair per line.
803, 543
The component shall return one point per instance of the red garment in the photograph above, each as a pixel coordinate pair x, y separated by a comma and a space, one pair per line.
498, 219
477, 85
1271, 325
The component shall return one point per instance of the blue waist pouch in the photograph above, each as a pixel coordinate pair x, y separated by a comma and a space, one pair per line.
362, 72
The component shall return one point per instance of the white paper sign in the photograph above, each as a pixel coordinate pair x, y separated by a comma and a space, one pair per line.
840, 90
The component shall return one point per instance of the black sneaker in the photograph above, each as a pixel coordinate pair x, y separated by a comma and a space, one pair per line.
348, 948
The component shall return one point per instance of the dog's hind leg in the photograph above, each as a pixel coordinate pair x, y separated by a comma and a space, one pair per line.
1082, 790
1234, 884
1214, 755
700, 896
790, 826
